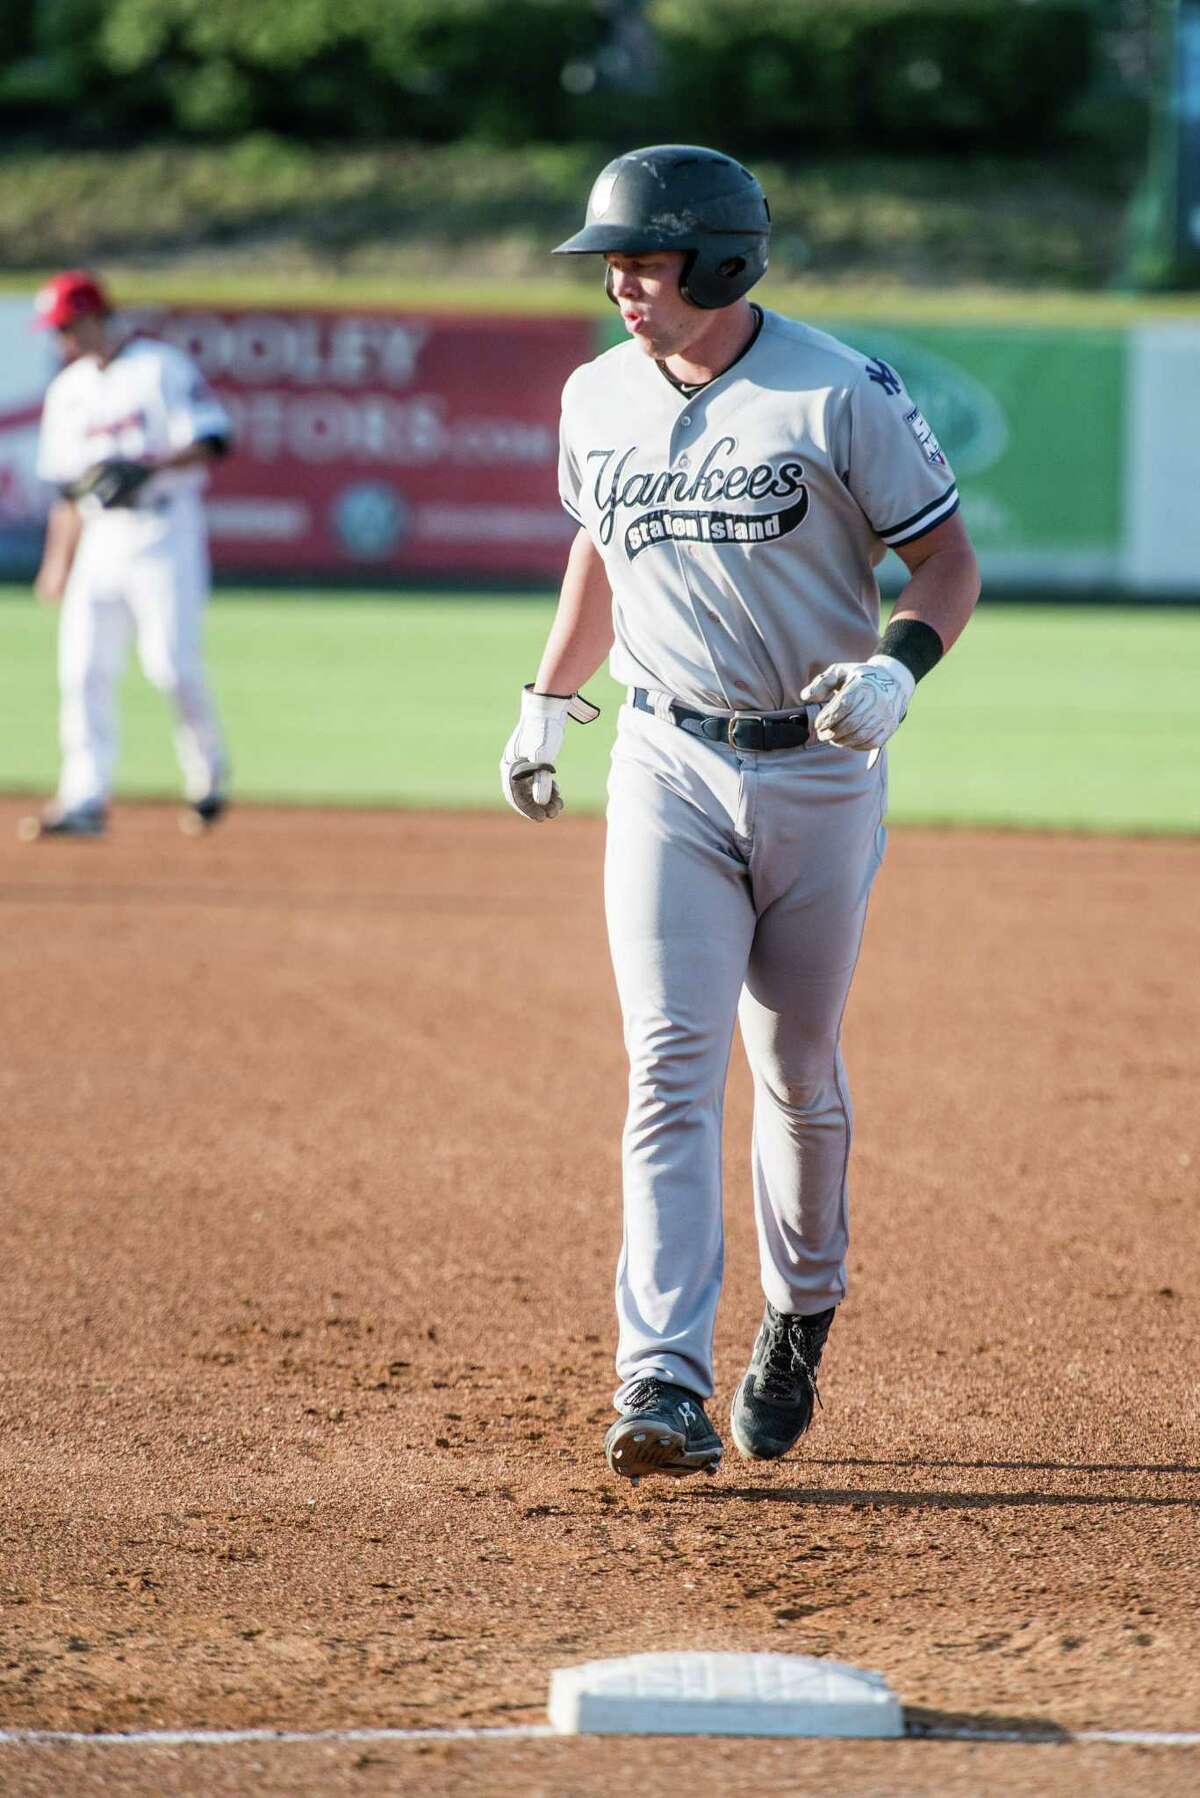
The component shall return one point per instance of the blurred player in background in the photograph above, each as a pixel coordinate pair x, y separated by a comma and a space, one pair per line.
128, 429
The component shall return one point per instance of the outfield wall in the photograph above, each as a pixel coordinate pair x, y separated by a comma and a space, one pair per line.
406, 444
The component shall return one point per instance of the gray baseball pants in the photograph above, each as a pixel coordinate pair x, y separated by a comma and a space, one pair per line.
736, 886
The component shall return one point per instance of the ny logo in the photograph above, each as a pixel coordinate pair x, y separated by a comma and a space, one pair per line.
885, 377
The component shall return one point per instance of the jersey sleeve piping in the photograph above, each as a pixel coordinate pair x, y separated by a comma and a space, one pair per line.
569, 509
935, 513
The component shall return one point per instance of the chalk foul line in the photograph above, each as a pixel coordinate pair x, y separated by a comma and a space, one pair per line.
217, 1738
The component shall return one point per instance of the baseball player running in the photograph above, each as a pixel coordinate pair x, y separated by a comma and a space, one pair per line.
128, 428
736, 477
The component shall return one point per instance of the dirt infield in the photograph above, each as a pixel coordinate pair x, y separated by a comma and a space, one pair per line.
310, 1157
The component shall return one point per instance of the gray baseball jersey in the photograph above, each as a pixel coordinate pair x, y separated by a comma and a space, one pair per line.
741, 526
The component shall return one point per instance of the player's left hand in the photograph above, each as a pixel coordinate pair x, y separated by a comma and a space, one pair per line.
527, 767
865, 702
112, 483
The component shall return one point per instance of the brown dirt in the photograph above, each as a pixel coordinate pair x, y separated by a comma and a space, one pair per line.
310, 1139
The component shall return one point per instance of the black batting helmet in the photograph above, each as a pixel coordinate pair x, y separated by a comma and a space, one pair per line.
681, 197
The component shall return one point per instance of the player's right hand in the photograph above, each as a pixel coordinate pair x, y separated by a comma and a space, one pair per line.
527, 767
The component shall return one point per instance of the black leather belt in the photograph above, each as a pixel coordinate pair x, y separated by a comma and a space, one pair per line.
739, 730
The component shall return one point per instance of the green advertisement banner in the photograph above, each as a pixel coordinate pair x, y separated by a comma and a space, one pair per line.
1031, 421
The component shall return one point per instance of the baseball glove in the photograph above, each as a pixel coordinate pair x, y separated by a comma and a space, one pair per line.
113, 483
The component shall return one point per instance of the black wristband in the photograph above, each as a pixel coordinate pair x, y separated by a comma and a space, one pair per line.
914, 643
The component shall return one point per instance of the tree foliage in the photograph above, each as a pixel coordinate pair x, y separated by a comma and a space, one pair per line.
749, 74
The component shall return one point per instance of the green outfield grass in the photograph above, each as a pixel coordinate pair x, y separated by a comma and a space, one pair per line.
1045, 716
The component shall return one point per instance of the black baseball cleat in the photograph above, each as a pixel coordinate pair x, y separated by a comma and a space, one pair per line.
662, 1429
64, 821
773, 1406
202, 814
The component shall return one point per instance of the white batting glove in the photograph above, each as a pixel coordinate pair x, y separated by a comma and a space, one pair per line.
527, 766
865, 702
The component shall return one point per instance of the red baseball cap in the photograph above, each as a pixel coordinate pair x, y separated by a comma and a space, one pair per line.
66, 297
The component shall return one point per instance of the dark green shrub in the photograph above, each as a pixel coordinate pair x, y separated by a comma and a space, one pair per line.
916, 74
16, 31
754, 75
48, 55
355, 68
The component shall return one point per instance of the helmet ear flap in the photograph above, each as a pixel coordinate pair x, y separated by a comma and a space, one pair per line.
685, 275
710, 284
608, 283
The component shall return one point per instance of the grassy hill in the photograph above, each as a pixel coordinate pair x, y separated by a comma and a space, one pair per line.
270, 208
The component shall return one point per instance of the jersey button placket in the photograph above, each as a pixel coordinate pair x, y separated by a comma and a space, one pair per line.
678, 458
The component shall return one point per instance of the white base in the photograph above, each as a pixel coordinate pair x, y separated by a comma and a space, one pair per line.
722, 1695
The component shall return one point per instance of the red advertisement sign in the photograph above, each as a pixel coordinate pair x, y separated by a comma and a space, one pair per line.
370, 441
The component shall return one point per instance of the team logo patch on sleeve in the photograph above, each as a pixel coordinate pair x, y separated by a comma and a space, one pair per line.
923, 433
883, 376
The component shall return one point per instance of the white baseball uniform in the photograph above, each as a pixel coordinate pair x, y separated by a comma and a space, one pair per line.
740, 526
141, 567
